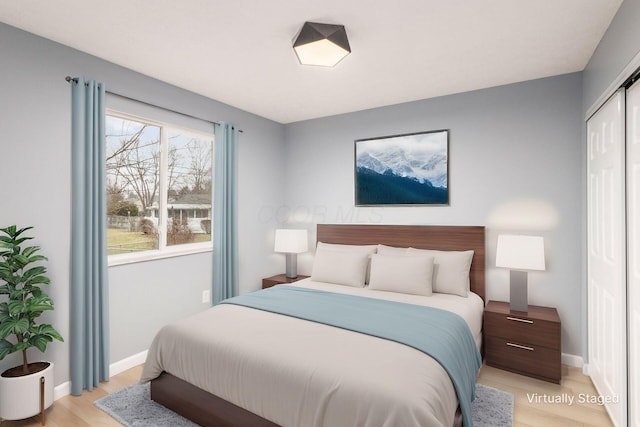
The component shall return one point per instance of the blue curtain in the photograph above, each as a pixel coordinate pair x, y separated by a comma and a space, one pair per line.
225, 222
89, 317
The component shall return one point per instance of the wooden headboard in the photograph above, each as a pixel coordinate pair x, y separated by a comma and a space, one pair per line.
444, 238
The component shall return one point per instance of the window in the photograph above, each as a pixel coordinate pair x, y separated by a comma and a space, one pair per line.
158, 187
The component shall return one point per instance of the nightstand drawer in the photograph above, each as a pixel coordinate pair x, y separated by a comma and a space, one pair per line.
523, 329
523, 358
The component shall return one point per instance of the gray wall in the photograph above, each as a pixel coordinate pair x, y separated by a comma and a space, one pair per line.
35, 170
619, 45
515, 166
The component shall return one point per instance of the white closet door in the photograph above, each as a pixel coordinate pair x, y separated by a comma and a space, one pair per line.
633, 248
607, 254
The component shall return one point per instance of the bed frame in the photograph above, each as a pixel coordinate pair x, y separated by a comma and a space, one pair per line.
207, 409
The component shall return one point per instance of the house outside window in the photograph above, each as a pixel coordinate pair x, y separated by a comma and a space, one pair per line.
158, 188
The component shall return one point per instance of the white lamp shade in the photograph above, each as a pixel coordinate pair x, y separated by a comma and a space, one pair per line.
291, 241
520, 252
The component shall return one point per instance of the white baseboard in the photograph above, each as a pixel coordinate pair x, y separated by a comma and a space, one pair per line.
572, 360
115, 368
128, 363
62, 390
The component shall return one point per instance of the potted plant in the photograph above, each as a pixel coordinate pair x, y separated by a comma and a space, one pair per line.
22, 301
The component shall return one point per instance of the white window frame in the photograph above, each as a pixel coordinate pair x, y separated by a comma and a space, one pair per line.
163, 250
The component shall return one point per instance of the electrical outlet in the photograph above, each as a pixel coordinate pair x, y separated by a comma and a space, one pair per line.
206, 296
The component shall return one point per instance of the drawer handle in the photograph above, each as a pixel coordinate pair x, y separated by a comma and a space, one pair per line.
524, 347
519, 320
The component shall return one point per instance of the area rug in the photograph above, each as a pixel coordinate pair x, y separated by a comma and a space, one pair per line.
492, 407
133, 407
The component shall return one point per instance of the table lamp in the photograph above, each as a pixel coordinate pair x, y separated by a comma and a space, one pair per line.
520, 254
291, 243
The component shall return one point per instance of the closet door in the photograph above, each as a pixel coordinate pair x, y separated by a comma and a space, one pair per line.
607, 322
633, 248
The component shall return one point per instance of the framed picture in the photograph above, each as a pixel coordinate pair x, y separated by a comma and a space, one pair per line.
410, 169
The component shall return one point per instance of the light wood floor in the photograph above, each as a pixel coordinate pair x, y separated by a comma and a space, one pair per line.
533, 414
71, 411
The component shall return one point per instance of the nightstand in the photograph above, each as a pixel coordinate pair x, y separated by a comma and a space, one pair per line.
524, 343
279, 280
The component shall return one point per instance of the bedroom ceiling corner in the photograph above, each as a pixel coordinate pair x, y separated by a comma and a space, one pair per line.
240, 52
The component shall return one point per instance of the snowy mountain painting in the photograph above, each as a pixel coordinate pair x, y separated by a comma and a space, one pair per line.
403, 170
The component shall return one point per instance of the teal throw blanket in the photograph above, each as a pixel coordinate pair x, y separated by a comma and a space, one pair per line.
438, 333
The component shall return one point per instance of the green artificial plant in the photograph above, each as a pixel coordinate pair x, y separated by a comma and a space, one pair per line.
20, 279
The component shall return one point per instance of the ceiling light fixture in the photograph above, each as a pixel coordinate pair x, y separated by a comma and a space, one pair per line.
321, 44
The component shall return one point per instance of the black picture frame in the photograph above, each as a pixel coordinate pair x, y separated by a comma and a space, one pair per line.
403, 170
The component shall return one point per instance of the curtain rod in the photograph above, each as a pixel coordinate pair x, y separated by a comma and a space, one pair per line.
69, 79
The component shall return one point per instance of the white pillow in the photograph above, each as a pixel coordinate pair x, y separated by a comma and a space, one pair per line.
342, 268
450, 270
369, 249
402, 273
391, 250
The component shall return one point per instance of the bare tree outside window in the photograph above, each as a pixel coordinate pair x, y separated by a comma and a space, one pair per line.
189, 196
134, 169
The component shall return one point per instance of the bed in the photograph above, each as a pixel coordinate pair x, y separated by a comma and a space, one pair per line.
271, 369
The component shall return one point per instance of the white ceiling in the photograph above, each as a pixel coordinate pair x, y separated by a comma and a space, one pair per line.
239, 51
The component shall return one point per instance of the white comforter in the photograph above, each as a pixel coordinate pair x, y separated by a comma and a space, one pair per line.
299, 373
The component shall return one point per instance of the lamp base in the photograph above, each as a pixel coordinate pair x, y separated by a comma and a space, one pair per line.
292, 265
518, 291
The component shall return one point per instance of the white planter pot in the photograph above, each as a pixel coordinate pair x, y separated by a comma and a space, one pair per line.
20, 396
